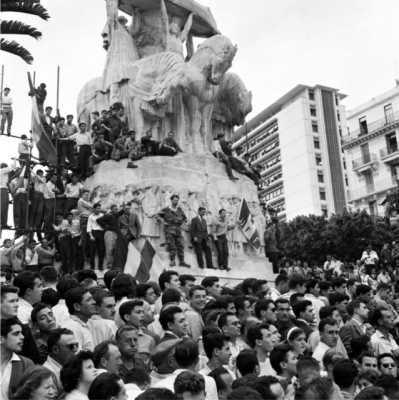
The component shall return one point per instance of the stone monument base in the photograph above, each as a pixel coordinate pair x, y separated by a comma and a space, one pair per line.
200, 180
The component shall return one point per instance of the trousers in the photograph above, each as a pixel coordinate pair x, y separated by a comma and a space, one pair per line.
65, 249
6, 116
49, 214
97, 247
4, 204
223, 251
37, 211
174, 243
202, 246
19, 211
110, 242
84, 160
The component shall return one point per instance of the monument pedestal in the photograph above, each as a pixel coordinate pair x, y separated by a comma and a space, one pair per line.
199, 180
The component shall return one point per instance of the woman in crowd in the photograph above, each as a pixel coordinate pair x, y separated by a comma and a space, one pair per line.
297, 339
77, 376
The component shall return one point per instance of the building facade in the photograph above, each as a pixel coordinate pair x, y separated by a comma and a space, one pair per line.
372, 153
297, 142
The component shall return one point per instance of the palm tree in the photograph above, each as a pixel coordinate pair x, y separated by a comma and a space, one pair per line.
32, 7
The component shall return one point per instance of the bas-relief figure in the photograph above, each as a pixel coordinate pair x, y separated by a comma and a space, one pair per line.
164, 84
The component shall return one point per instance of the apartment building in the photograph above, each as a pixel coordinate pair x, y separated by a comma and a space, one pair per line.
372, 152
297, 142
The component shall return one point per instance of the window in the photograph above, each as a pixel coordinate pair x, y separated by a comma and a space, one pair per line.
368, 177
338, 116
336, 100
346, 181
320, 177
316, 143
365, 151
344, 163
311, 94
318, 160
313, 111
322, 194
392, 143
315, 127
324, 211
388, 112
363, 126
340, 132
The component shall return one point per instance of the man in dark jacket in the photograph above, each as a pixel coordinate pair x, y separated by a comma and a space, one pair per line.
200, 238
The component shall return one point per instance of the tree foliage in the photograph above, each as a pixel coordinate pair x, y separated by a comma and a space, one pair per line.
345, 236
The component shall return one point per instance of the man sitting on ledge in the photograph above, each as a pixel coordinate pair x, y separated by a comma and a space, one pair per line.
168, 146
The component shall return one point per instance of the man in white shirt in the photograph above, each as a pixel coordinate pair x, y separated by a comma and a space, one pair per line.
72, 193
5, 171
6, 111
328, 329
217, 350
82, 307
96, 237
382, 340
62, 346
84, 141
30, 292
49, 202
187, 356
197, 297
36, 214
369, 258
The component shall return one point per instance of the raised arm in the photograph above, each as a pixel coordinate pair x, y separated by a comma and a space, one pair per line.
112, 10
187, 28
164, 24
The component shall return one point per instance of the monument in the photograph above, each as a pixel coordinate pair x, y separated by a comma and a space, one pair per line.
165, 85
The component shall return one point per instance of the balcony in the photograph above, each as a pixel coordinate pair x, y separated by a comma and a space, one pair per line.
365, 163
372, 190
373, 128
390, 156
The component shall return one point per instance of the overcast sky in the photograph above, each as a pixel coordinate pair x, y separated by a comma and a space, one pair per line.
348, 44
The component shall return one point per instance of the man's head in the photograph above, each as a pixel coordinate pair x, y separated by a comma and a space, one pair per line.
7, 243
390, 385
186, 283
174, 199
187, 354
146, 292
223, 381
126, 337
281, 283
387, 364
359, 309
48, 110
269, 387
222, 213
80, 302
368, 361
384, 291
382, 319
12, 337
62, 345
189, 386
230, 325
107, 356
105, 302
339, 285
345, 373
132, 312
30, 286
216, 346
282, 310
247, 363
43, 318
328, 329
49, 274
7, 91
173, 319
169, 279
212, 286
9, 301
297, 283
321, 388
260, 337
265, 310
307, 369
97, 208
313, 287
197, 297
284, 360
304, 310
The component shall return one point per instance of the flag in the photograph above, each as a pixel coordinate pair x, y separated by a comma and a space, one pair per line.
40, 138
247, 225
145, 264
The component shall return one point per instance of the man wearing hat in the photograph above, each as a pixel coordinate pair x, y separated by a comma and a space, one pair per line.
83, 141
173, 218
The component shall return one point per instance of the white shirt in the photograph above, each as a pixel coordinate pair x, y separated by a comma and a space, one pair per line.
132, 391
4, 177
81, 331
39, 184
76, 395
101, 329
82, 138
210, 385
266, 368
382, 344
369, 258
49, 190
24, 311
319, 352
55, 367
73, 191
6, 376
92, 223
61, 312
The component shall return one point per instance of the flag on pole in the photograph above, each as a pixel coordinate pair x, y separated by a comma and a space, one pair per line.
145, 264
40, 138
247, 225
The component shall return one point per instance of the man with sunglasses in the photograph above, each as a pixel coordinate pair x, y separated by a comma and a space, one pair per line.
328, 329
62, 346
387, 365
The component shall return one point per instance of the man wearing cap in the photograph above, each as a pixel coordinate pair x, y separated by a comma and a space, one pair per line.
6, 111
173, 218
83, 142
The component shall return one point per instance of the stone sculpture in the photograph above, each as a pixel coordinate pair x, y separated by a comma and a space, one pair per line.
165, 86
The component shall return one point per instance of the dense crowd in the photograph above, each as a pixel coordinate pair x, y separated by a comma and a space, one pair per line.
327, 332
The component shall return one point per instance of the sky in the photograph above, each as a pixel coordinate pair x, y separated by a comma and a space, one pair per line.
352, 45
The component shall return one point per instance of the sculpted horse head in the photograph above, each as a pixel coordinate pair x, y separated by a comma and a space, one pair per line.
214, 56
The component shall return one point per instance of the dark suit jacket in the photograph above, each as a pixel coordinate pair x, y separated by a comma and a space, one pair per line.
18, 369
130, 226
198, 229
351, 330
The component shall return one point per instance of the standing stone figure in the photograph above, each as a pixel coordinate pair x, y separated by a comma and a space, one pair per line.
174, 218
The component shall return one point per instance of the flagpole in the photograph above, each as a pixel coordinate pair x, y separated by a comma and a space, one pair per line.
58, 90
57, 167
2, 85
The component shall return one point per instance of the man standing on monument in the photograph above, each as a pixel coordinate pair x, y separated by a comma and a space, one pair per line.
173, 218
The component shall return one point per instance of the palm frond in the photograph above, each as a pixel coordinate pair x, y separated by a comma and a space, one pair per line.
25, 6
19, 28
15, 48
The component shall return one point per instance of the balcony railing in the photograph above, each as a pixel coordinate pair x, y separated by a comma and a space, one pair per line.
389, 155
378, 186
375, 126
364, 162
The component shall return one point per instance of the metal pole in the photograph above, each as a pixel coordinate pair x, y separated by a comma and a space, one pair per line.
2, 85
34, 78
27, 228
58, 90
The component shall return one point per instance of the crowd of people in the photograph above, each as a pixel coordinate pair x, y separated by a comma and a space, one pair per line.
327, 332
